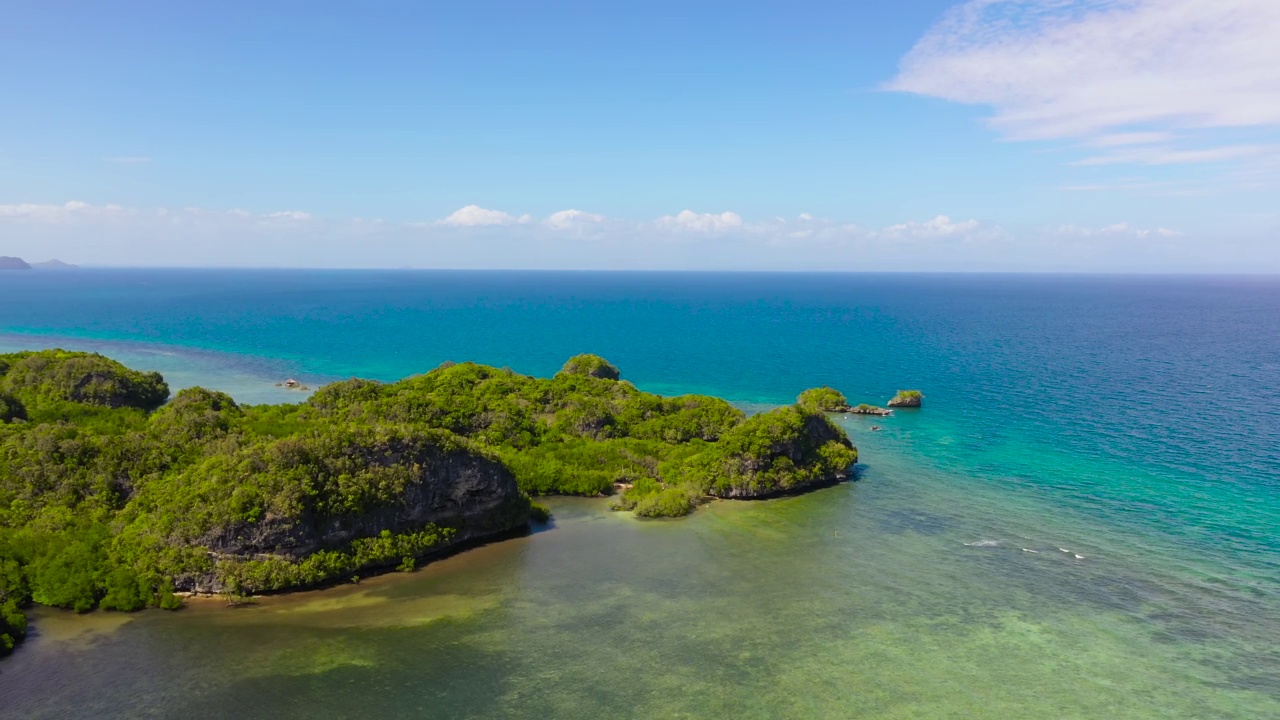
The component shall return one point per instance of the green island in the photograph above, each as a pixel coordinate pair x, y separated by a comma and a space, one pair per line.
115, 496
907, 399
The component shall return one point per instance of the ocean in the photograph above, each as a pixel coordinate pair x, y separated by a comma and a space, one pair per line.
1083, 520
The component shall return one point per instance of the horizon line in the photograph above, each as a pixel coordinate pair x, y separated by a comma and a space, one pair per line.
669, 271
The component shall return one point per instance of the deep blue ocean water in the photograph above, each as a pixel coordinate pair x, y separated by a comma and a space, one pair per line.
1140, 413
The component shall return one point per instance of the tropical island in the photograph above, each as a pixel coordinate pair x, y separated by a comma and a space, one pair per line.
114, 496
828, 399
907, 399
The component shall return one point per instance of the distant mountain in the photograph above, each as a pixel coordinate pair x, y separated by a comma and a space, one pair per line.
13, 263
53, 265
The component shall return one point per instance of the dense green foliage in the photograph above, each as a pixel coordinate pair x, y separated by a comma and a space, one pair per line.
109, 499
823, 399
779, 451
649, 498
14, 594
51, 378
907, 398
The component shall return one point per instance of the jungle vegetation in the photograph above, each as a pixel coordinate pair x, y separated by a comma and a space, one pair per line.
111, 492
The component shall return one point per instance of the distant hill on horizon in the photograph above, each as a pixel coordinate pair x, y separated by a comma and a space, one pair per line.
13, 263
17, 263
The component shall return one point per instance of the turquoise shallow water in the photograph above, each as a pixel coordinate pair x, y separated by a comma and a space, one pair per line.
1134, 422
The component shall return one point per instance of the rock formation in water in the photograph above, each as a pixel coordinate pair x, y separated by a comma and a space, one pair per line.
827, 399
823, 399
53, 265
13, 263
907, 399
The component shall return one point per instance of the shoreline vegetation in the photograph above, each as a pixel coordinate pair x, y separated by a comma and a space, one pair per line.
115, 496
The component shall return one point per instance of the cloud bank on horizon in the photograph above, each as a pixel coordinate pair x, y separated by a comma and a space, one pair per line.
475, 237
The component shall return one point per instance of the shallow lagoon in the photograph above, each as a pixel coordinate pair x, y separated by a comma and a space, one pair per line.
905, 594
1086, 414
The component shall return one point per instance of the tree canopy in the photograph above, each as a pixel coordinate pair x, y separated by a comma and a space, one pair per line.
112, 498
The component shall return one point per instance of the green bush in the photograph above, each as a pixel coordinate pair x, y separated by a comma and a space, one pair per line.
671, 502
539, 512
823, 399
13, 596
591, 366
643, 488
777, 451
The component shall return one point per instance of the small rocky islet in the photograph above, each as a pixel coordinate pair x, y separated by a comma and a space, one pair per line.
907, 399
115, 496
828, 399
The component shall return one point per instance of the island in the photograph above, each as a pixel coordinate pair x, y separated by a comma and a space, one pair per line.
828, 399
13, 263
53, 265
907, 399
115, 496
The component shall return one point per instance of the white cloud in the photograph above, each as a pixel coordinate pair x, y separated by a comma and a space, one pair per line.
84, 233
1054, 68
687, 220
940, 226
1130, 138
571, 219
1121, 230
474, 216
1110, 73
1169, 156
72, 211
282, 215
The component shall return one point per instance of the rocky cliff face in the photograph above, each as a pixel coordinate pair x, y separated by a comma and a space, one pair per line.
447, 487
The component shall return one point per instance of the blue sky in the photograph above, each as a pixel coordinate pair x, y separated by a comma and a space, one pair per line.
1101, 135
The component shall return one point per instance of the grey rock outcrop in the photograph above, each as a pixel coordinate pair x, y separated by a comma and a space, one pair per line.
907, 399
450, 487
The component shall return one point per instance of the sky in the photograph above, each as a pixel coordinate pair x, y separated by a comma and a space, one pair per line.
920, 135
